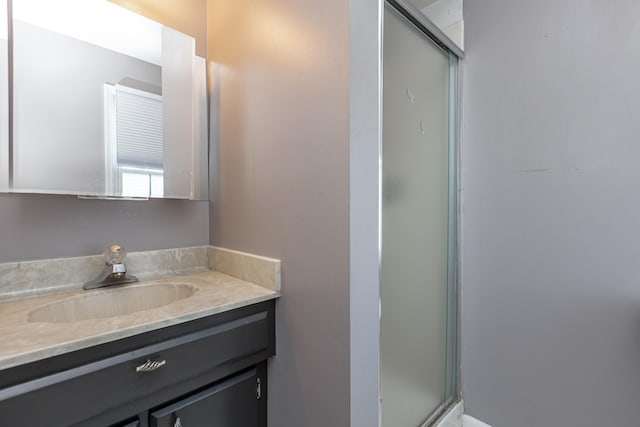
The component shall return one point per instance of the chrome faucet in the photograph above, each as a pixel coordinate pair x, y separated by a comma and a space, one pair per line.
115, 271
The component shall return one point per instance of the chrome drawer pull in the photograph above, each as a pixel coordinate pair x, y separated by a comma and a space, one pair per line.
151, 365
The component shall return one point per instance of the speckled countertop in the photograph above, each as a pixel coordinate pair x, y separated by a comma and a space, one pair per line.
23, 340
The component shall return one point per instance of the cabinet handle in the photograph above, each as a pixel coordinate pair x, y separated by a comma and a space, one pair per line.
151, 365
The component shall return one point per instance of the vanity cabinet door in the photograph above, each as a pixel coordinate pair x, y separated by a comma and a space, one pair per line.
234, 402
135, 423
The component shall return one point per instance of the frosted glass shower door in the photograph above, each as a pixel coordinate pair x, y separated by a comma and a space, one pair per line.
415, 225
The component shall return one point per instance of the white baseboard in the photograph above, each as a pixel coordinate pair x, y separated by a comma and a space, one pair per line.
455, 418
468, 421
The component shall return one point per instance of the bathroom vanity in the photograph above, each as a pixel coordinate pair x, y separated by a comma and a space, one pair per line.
197, 358
207, 369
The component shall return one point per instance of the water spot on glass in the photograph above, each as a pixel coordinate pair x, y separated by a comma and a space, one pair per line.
411, 96
423, 129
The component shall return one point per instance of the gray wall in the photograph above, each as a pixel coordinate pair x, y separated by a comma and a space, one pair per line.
282, 185
42, 226
551, 305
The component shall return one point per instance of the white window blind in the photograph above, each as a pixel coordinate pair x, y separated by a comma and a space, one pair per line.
138, 128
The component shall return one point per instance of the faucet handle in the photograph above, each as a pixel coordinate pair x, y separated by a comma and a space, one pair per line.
114, 255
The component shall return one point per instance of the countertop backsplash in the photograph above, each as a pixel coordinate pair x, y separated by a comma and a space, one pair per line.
22, 279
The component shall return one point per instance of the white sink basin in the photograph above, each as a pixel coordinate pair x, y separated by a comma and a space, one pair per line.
106, 303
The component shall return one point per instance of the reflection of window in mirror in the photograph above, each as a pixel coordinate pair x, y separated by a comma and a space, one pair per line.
133, 141
141, 183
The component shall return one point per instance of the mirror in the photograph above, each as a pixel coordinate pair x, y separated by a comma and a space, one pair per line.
106, 103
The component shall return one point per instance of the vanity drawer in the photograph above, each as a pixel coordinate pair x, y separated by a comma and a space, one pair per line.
135, 378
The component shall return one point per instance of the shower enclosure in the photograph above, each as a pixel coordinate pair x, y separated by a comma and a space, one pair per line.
419, 216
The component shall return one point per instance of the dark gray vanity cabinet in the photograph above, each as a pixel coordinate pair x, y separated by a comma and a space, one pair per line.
232, 403
206, 372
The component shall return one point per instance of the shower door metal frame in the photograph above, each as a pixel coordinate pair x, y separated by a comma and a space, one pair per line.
432, 32
425, 25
